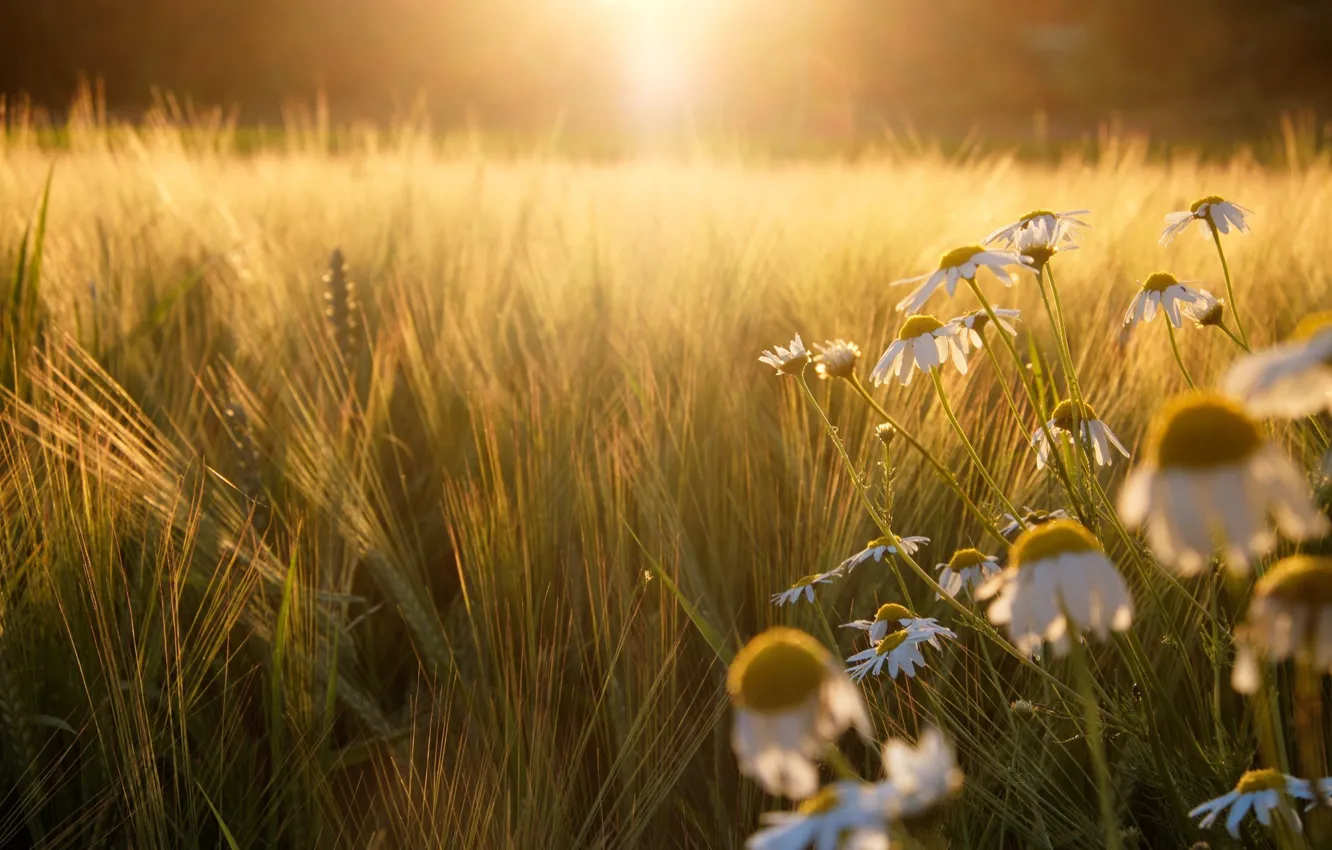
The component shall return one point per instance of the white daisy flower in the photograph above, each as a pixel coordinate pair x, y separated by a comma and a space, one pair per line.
791, 700
1208, 311
876, 549
837, 358
1058, 571
1038, 243
1291, 380
923, 343
1256, 791
1290, 616
1066, 224
826, 820
899, 650
1211, 476
1211, 211
1030, 517
787, 361
958, 264
968, 329
892, 616
920, 778
804, 588
1162, 291
1096, 435
966, 570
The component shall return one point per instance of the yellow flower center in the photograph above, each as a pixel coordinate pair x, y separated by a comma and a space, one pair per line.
1209, 200
979, 320
1035, 214
1304, 580
893, 641
1039, 254
1201, 431
806, 581
1213, 316
892, 611
964, 558
1051, 540
821, 803
959, 256
919, 325
778, 670
1068, 410
1312, 325
1159, 282
1266, 779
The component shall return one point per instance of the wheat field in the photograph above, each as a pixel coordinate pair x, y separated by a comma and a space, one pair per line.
451, 546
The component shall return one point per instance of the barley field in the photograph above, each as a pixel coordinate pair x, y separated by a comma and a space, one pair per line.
448, 538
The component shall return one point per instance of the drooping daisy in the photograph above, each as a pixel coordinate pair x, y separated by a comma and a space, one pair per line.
1290, 616
885, 432
966, 570
1211, 476
1067, 224
923, 343
1162, 291
1038, 244
892, 616
1290, 380
787, 361
1057, 571
958, 264
900, 650
804, 588
791, 700
826, 820
968, 329
919, 778
1256, 791
1210, 212
837, 358
1030, 517
1207, 312
877, 548
1096, 435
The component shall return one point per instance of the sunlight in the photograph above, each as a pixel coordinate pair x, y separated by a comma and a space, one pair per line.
659, 62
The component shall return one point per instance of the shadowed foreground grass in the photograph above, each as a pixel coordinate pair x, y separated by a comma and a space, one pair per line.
456, 555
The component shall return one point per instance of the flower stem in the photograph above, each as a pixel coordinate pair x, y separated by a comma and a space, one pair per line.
1230, 289
1003, 385
1241, 343
1095, 741
1174, 347
971, 450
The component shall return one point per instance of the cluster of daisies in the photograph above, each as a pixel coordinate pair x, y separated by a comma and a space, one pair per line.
1209, 486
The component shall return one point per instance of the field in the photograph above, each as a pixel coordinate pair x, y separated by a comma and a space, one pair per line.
456, 554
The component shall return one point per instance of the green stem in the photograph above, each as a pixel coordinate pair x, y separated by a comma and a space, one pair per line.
971, 450
1061, 335
1230, 289
1241, 343
1095, 740
1003, 385
1174, 347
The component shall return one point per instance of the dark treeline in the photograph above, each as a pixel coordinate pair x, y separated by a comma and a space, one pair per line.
834, 65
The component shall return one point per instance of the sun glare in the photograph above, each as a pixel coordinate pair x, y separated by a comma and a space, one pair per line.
658, 64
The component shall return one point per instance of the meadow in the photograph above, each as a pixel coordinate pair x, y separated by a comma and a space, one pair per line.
451, 545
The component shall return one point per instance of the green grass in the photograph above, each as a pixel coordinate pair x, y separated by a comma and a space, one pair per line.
473, 578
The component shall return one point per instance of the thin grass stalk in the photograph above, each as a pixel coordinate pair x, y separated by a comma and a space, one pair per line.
971, 450
1230, 289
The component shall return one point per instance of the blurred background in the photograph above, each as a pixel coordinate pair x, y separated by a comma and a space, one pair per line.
782, 69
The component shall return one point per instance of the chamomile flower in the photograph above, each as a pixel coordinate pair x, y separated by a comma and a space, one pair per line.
1038, 243
1210, 212
892, 616
833, 816
1290, 380
1206, 312
1067, 224
900, 651
885, 432
923, 343
1030, 517
1096, 435
1210, 476
803, 589
837, 358
787, 361
968, 329
1164, 292
791, 699
966, 570
1290, 616
919, 778
958, 264
1257, 791
876, 549
1057, 572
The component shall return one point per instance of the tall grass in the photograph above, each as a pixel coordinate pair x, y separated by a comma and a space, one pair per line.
467, 570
